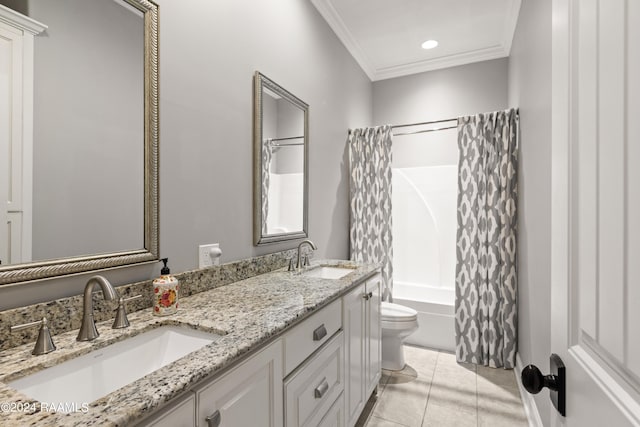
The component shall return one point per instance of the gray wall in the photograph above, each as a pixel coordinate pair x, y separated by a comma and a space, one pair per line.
209, 52
530, 89
441, 94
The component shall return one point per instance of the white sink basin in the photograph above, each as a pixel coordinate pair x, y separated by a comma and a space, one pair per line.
94, 375
328, 272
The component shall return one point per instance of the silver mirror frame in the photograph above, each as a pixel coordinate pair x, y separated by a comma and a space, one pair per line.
63, 266
261, 81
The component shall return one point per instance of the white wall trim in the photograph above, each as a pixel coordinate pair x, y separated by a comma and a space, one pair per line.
332, 17
18, 20
529, 403
464, 58
510, 25
338, 26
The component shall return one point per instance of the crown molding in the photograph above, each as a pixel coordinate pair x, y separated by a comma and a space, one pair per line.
333, 19
440, 63
10, 16
338, 26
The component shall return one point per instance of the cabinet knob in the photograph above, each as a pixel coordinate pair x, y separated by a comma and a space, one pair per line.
368, 296
213, 420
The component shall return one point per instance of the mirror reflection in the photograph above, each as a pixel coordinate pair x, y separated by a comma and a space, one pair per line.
94, 142
281, 142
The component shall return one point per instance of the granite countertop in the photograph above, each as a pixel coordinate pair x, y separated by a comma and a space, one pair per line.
247, 314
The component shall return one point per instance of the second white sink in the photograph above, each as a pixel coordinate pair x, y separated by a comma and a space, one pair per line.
328, 272
94, 375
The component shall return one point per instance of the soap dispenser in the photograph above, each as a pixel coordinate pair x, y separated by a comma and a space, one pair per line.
165, 292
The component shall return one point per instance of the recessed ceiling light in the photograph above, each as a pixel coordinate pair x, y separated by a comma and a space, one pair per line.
429, 44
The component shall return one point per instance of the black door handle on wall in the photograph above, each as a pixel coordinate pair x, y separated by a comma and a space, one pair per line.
533, 381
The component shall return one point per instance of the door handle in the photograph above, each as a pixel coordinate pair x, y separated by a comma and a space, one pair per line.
533, 381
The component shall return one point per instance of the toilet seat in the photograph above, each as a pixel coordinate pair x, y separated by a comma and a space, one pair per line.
390, 312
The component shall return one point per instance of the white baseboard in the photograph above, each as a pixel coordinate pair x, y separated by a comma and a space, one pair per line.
530, 408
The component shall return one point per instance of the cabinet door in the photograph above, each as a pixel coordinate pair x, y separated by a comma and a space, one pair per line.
249, 395
180, 413
354, 330
373, 335
335, 415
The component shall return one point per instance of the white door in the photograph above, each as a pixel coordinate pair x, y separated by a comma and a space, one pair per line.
596, 209
8, 40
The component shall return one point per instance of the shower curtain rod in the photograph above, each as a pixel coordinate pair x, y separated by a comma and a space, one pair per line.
424, 131
285, 139
272, 140
423, 123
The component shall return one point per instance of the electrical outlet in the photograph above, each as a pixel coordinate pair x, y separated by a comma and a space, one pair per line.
209, 255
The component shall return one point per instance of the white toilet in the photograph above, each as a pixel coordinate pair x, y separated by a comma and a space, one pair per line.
398, 322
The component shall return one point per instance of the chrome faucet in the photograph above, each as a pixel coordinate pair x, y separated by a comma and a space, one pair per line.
88, 330
299, 265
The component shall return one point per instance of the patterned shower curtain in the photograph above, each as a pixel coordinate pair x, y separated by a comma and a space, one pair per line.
267, 154
370, 193
486, 277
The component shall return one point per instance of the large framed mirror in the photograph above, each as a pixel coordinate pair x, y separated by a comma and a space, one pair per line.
92, 196
280, 159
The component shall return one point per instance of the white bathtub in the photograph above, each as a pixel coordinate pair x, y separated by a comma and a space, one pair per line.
435, 307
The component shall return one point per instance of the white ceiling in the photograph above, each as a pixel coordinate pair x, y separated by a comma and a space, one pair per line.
385, 36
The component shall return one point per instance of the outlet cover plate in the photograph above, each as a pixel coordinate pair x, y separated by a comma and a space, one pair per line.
204, 256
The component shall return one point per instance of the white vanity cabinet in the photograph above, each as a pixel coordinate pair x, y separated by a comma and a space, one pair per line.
319, 373
180, 413
373, 334
361, 318
248, 395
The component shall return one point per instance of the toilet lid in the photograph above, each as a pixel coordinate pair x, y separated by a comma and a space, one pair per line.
391, 312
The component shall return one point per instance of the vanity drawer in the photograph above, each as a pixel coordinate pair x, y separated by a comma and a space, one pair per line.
307, 337
335, 414
313, 388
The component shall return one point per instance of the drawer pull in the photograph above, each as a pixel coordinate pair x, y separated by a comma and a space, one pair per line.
321, 389
319, 333
213, 420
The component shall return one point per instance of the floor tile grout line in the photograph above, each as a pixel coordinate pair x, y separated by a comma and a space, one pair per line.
390, 421
426, 404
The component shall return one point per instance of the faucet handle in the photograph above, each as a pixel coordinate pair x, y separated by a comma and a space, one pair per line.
121, 320
292, 264
44, 343
306, 262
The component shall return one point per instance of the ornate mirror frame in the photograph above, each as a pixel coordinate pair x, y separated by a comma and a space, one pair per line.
261, 82
45, 269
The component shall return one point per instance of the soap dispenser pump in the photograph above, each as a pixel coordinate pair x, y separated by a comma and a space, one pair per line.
165, 292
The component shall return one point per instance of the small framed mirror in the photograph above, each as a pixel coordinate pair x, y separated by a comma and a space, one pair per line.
280, 159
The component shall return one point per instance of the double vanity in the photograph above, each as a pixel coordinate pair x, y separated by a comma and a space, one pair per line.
281, 348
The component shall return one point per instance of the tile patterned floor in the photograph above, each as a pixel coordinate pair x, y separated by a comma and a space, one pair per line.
435, 391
